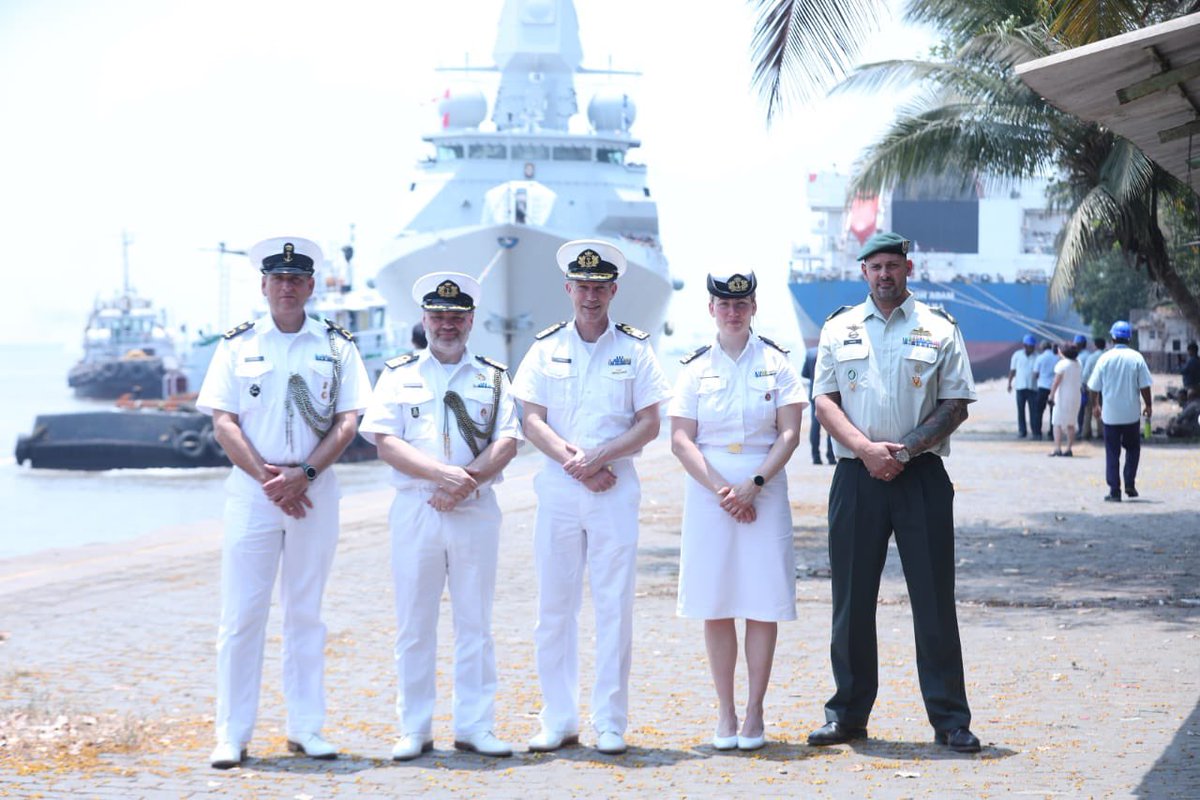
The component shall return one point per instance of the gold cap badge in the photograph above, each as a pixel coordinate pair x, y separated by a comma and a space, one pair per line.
589, 259
447, 289
738, 284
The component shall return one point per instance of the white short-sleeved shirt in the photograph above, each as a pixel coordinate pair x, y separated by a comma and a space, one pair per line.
1119, 376
734, 400
409, 403
590, 398
1044, 367
891, 373
1022, 364
249, 373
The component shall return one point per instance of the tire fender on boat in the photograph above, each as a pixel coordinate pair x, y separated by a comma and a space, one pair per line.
190, 444
210, 442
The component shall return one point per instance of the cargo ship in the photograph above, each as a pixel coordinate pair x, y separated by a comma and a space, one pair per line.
984, 251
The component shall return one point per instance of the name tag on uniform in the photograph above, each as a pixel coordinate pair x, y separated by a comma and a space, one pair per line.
765, 373
560, 360
620, 361
852, 341
323, 357
414, 386
254, 358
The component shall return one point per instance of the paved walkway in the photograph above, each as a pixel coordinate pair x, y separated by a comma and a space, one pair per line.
1079, 624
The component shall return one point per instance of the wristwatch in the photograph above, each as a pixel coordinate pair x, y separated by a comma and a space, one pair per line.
310, 471
902, 455
759, 480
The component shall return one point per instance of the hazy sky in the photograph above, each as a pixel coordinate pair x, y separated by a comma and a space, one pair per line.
188, 124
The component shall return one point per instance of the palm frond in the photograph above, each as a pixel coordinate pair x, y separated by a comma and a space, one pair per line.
800, 47
1078, 22
1090, 231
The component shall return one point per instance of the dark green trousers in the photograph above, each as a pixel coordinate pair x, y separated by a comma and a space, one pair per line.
863, 514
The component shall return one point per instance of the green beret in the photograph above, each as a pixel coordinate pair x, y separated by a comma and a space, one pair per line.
884, 243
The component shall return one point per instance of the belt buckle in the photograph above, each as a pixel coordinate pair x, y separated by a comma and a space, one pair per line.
734, 448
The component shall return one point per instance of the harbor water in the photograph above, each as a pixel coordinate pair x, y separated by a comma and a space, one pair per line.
47, 509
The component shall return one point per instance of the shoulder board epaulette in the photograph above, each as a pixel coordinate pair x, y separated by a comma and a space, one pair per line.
692, 356
629, 330
239, 330
941, 312
400, 361
333, 326
783, 350
492, 363
838, 311
542, 334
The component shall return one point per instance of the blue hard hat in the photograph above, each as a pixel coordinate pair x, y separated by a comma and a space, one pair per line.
1029, 339
1080, 339
1121, 330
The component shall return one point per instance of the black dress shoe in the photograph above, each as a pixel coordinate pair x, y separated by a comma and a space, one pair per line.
1112, 498
1130, 491
960, 740
835, 733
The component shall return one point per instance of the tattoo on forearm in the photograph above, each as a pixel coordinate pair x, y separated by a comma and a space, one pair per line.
944, 420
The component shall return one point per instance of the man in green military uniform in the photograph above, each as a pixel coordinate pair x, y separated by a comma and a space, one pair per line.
892, 383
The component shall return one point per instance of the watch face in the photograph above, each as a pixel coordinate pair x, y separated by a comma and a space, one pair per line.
759, 480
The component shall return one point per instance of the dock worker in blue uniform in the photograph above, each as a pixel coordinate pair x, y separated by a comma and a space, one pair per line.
284, 393
591, 391
444, 419
893, 382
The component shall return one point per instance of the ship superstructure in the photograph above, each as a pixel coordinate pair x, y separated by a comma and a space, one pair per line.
496, 199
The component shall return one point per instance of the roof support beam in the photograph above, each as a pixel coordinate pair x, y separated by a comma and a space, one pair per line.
1180, 131
1159, 82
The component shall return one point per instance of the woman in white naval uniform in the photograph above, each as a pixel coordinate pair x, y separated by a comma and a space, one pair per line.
735, 422
445, 421
284, 393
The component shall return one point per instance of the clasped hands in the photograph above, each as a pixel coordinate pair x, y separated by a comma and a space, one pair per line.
880, 460
590, 468
287, 487
738, 500
454, 484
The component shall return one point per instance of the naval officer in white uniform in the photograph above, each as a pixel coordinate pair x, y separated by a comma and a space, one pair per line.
444, 419
285, 393
735, 422
591, 391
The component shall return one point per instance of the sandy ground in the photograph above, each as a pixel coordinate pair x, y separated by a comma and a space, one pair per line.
1079, 626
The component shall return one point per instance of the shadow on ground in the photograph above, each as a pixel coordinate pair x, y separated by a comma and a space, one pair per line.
1176, 773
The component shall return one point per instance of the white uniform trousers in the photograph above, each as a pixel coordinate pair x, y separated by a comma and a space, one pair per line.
430, 548
575, 528
260, 540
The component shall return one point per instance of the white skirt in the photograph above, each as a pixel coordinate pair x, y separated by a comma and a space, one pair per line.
732, 570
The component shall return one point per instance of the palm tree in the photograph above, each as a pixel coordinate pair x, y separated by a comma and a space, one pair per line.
974, 116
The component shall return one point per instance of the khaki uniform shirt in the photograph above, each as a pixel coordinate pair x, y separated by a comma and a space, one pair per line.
892, 372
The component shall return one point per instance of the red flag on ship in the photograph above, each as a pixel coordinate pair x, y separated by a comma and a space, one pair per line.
863, 213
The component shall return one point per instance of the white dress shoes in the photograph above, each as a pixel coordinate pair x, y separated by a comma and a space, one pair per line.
725, 742
227, 755
611, 743
313, 746
548, 741
486, 744
751, 742
411, 746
